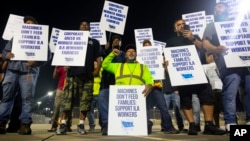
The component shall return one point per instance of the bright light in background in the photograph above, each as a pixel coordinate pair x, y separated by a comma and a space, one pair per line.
50, 93
243, 9
38, 105
238, 9
244, 6
39, 102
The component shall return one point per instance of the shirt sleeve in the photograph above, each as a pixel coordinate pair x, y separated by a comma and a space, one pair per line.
147, 76
107, 65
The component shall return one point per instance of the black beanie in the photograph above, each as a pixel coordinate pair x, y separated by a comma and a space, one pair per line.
116, 37
84, 19
130, 46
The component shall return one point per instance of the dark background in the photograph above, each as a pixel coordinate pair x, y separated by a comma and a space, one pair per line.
156, 14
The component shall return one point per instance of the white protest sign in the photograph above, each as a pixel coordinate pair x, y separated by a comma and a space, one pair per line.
184, 66
235, 36
53, 38
127, 110
209, 19
143, 34
12, 24
71, 48
113, 17
97, 33
152, 57
196, 21
30, 42
160, 44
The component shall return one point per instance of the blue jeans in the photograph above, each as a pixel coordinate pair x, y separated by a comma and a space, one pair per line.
27, 84
103, 106
247, 98
229, 92
196, 109
175, 99
91, 113
156, 97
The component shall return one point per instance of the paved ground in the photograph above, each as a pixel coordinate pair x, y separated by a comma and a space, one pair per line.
39, 133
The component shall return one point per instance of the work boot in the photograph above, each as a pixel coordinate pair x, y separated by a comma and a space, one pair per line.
198, 127
13, 126
150, 125
53, 127
211, 129
192, 129
105, 129
69, 129
25, 129
2, 128
12, 130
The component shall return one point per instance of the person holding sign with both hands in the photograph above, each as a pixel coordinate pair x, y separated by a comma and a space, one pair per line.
157, 98
22, 75
203, 91
231, 78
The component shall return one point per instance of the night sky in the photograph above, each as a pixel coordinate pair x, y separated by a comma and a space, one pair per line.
157, 14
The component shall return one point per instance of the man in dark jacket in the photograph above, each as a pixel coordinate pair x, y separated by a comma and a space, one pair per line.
79, 80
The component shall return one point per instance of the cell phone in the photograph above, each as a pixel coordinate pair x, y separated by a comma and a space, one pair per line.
186, 27
120, 43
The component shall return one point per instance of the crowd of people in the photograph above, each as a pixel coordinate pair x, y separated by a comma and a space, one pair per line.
109, 65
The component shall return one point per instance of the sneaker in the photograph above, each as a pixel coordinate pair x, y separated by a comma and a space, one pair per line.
62, 129
25, 129
172, 131
211, 129
228, 127
2, 128
192, 129
81, 130
91, 129
183, 130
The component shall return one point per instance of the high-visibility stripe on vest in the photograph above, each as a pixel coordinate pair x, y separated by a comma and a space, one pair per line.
125, 76
97, 83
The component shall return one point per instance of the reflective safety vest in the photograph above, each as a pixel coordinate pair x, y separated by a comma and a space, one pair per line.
97, 83
130, 74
